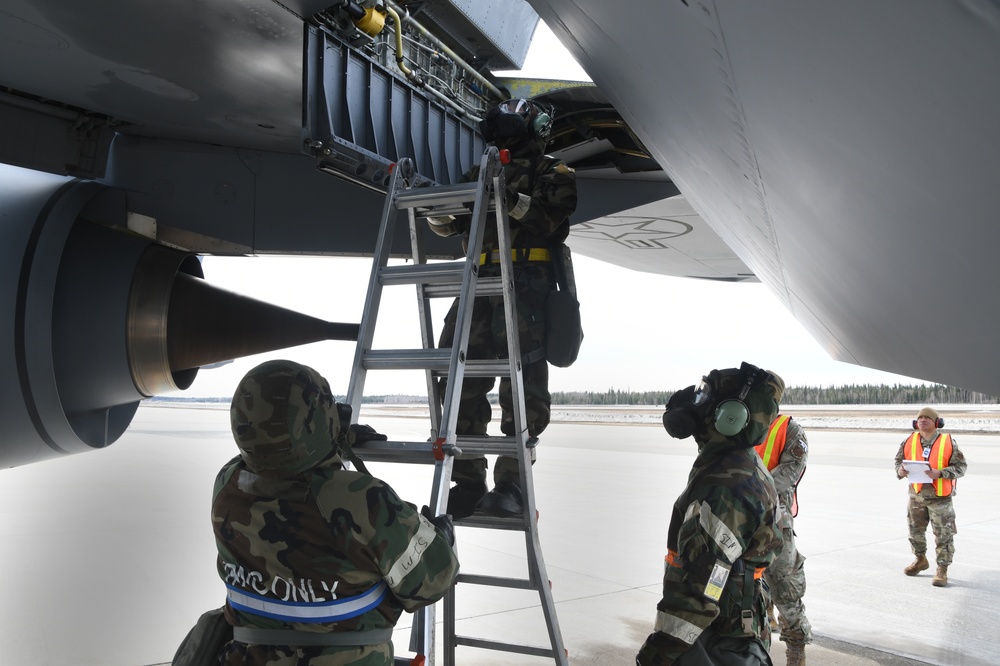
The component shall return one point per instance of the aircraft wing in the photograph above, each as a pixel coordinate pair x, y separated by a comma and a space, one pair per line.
846, 152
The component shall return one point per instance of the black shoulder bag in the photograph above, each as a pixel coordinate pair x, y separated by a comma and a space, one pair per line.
563, 327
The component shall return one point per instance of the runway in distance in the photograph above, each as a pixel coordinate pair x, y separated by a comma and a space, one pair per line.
115, 558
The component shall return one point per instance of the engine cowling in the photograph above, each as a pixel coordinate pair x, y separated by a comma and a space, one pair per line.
96, 318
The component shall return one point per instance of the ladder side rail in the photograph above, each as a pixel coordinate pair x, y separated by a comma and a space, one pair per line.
424, 627
380, 259
486, 189
512, 328
463, 324
450, 641
425, 317
536, 564
511, 324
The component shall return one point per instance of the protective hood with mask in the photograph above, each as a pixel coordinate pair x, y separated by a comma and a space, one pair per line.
519, 125
285, 419
732, 407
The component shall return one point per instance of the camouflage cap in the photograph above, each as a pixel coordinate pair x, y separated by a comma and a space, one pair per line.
284, 418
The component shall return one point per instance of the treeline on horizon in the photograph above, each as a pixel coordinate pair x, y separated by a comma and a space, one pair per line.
850, 394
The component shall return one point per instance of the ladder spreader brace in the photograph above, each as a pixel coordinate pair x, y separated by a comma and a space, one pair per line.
454, 279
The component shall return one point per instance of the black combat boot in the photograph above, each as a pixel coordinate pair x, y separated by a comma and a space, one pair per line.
504, 500
464, 497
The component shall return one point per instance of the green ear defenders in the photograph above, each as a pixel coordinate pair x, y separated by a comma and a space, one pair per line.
688, 408
732, 414
541, 124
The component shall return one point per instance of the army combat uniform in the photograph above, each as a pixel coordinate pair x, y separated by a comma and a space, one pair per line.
723, 533
786, 448
320, 562
542, 226
931, 503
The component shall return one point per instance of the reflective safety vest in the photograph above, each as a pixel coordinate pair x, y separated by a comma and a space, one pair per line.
770, 451
940, 457
771, 448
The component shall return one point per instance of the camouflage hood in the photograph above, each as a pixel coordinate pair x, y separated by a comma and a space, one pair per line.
284, 419
762, 400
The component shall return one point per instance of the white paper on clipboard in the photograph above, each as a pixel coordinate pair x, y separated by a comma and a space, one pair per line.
917, 471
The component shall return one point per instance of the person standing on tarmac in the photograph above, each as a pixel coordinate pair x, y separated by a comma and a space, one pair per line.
930, 503
724, 528
541, 195
785, 452
319, 561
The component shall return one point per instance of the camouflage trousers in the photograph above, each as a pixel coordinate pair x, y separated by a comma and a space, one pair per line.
488, 340
939, 513
786, 577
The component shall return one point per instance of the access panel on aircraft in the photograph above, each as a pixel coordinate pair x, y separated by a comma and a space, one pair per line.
383, 86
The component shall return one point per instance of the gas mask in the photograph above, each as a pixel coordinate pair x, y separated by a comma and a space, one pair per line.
515, 121
736, 403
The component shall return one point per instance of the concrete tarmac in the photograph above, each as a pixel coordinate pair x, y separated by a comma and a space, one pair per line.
108, 557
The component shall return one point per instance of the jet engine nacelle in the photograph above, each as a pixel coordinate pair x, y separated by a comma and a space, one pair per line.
83, 305
96, 318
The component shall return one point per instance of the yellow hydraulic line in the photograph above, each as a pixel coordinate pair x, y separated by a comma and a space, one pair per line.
399, 41
390, 7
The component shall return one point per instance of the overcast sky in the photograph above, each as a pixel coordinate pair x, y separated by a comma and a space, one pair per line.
642, 331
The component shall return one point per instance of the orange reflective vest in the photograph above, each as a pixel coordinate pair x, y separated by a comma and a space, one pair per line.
939, 458
771, 448
770, 451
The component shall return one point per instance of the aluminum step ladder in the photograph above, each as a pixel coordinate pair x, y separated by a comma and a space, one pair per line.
449, 280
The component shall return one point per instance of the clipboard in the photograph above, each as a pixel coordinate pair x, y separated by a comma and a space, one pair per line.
917, 471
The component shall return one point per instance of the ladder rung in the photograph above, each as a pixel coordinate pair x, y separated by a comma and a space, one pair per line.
423, 452
450, 209
483, 521
436, 360
503, 647
396, 451
407, 359
435, 197
479, 368
485, 286
483, 445
496, 581
444, 279
450, 272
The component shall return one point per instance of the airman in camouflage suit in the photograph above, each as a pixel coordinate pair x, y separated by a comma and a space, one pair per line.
541, 195
930, 503
786, 576
724, 527
318, 561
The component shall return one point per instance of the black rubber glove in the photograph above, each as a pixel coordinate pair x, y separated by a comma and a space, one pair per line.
442, 522
360, 433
